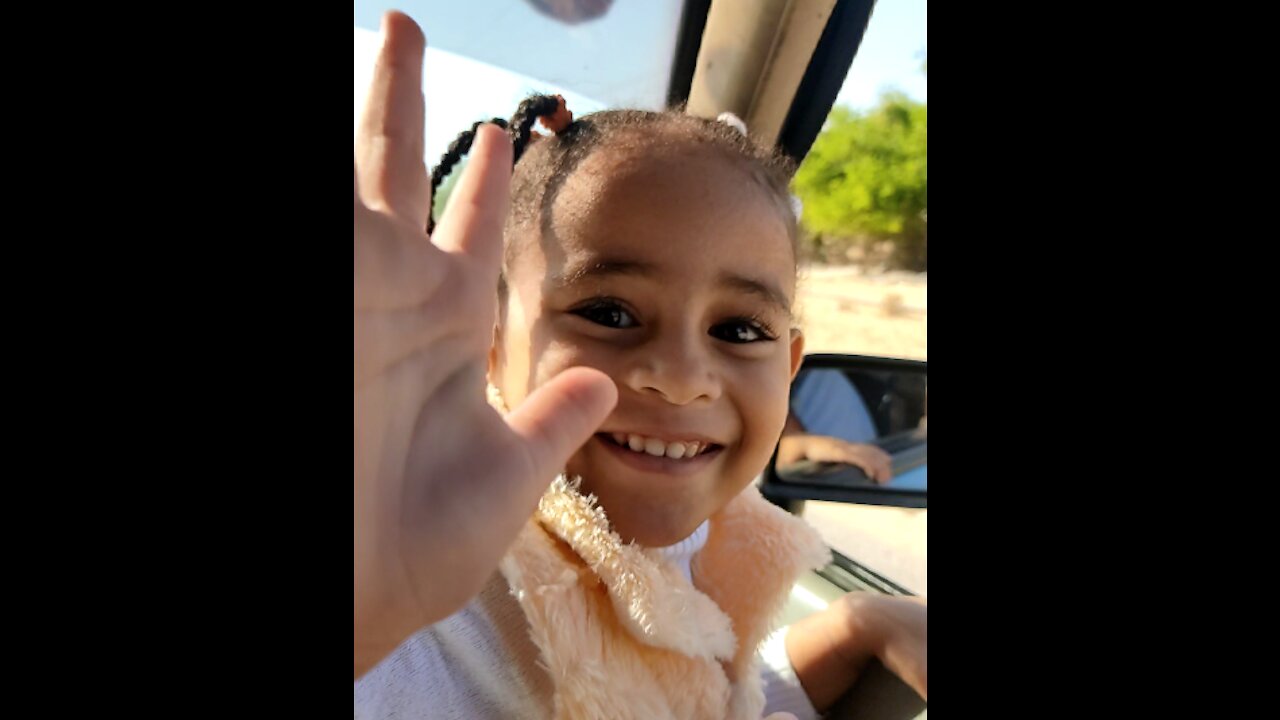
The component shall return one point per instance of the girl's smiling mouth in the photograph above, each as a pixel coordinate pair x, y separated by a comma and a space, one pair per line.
655, 455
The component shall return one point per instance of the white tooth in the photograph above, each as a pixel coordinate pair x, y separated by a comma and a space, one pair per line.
635, 442
675, 450
620, 438
693, 449
657, 448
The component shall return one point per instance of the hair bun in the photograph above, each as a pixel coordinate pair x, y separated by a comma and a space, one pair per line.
733, 121
559, 119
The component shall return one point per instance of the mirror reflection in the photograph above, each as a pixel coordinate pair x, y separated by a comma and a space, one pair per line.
857, 428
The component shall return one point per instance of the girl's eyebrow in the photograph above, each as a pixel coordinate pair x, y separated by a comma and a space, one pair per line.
595, 268
762, 289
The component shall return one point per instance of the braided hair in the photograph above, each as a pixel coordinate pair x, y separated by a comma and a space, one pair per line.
534, 186
549, 108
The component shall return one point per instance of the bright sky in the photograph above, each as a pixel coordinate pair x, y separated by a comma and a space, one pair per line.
890, 56
460, 90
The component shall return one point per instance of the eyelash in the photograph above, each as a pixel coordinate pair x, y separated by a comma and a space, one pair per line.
609, 313
592, 310
763, 331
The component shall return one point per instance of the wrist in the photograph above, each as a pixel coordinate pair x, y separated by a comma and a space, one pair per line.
864, 630
383, 619
791, 449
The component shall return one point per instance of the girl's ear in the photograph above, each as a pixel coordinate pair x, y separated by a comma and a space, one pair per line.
493, 352
797, 351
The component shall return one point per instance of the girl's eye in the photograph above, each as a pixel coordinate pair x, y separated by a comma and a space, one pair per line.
741, 332
608, 314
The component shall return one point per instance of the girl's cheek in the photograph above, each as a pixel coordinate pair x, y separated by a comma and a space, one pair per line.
560, 356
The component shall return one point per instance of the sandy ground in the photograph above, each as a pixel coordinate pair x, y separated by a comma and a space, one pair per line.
843, 311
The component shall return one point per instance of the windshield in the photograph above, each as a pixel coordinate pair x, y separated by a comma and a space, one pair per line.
618, 52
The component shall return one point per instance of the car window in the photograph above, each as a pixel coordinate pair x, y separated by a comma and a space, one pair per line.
864, 282
458, 91
619, 52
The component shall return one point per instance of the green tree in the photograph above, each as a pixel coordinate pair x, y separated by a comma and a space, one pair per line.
866, 179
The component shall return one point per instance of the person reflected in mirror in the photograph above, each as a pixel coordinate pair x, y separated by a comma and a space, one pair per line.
829, 423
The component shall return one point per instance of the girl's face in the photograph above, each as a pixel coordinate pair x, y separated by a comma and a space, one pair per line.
672, 272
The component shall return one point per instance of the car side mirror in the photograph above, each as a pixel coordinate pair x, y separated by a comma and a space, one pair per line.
848, 412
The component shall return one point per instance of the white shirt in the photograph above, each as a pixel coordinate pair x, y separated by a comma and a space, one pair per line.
471, 664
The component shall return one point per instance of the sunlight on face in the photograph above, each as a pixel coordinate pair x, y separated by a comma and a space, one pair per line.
672, 271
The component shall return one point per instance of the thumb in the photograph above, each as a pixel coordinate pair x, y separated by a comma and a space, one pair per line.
559, 417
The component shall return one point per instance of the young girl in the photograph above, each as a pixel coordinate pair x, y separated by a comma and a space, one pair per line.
658, 249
